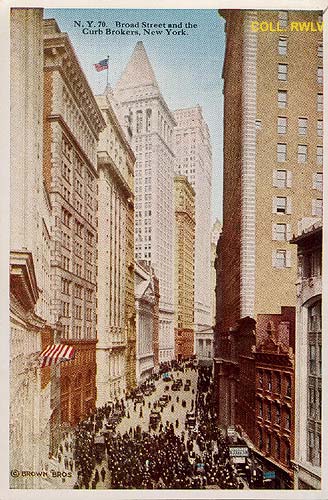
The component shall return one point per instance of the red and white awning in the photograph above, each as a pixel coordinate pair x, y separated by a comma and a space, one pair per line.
55, 353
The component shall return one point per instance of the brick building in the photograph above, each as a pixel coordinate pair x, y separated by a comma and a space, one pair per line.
184, 274
275, 419
272, 171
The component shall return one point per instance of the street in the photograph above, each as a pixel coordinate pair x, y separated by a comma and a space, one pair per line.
118, 448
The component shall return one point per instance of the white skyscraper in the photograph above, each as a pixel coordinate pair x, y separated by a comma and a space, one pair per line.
149, 126
194, 159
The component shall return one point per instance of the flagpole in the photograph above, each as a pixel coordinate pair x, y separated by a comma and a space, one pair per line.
107, 70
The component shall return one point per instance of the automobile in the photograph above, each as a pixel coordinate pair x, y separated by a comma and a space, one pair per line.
167, 377
190, 420
163, 400
148, 391
187, 387
154, 419
188, 381
175, 386
179, 382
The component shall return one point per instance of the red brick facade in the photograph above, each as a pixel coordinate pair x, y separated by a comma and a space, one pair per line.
184, 343
78, 383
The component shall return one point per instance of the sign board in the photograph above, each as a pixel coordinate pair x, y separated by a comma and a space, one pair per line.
231, 431
238, 460
269, 474
238, 451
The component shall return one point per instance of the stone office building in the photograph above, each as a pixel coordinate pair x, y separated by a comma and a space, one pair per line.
149, 125
116, 348
72, 123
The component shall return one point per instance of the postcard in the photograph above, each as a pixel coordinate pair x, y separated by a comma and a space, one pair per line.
165, 251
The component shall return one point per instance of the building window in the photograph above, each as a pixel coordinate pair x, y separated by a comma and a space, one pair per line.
281, 204
261, 408
261, 380
281, 152
319, 128
319, 102
269, 382
268, 449
282, 125
302, 126
319, 155
283, 18
288, 386
281, 178
311, 446
269, 413
282, 72
280, 259
282, 98
317, 207
317, 181
311, 402
282, 46
319, 75
302, 153
278, 415
312, 359
288, 420
320, 49
280, 232
260, 439
278, 383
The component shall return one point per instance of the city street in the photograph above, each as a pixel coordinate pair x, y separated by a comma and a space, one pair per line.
183, 450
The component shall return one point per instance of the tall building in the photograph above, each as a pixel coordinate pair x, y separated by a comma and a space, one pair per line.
72, 123
272, 169
194, 160
216, 231
308, 408
149, 124
184, 279
116, 348
31, 318
147, 307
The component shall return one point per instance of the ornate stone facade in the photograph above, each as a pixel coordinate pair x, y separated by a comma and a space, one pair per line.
31, 319
147, 311
72, 123
116, 348
149, 126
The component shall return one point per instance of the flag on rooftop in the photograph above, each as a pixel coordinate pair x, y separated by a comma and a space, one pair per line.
101, 65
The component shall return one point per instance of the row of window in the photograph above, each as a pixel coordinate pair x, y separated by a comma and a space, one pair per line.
302, 153
283, 100
283, 71
282, 123
265, 382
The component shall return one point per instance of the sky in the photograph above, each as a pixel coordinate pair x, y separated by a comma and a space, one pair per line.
188, 67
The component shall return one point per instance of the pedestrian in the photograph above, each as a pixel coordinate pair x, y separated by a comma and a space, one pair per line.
93, 485
177, 423
103, 474
71, 464
172, 408
97, 476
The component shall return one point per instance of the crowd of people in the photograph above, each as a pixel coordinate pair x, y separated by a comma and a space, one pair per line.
171, 456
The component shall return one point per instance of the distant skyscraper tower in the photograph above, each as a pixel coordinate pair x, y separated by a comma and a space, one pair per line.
149, 126
194, 160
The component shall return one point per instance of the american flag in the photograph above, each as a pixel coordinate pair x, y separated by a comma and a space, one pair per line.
101, 65
55, 353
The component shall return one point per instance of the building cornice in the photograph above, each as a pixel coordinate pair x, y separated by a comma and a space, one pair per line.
106, 162
60, 54
23, 283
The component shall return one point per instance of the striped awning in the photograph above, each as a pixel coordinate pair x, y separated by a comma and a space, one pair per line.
54, 353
